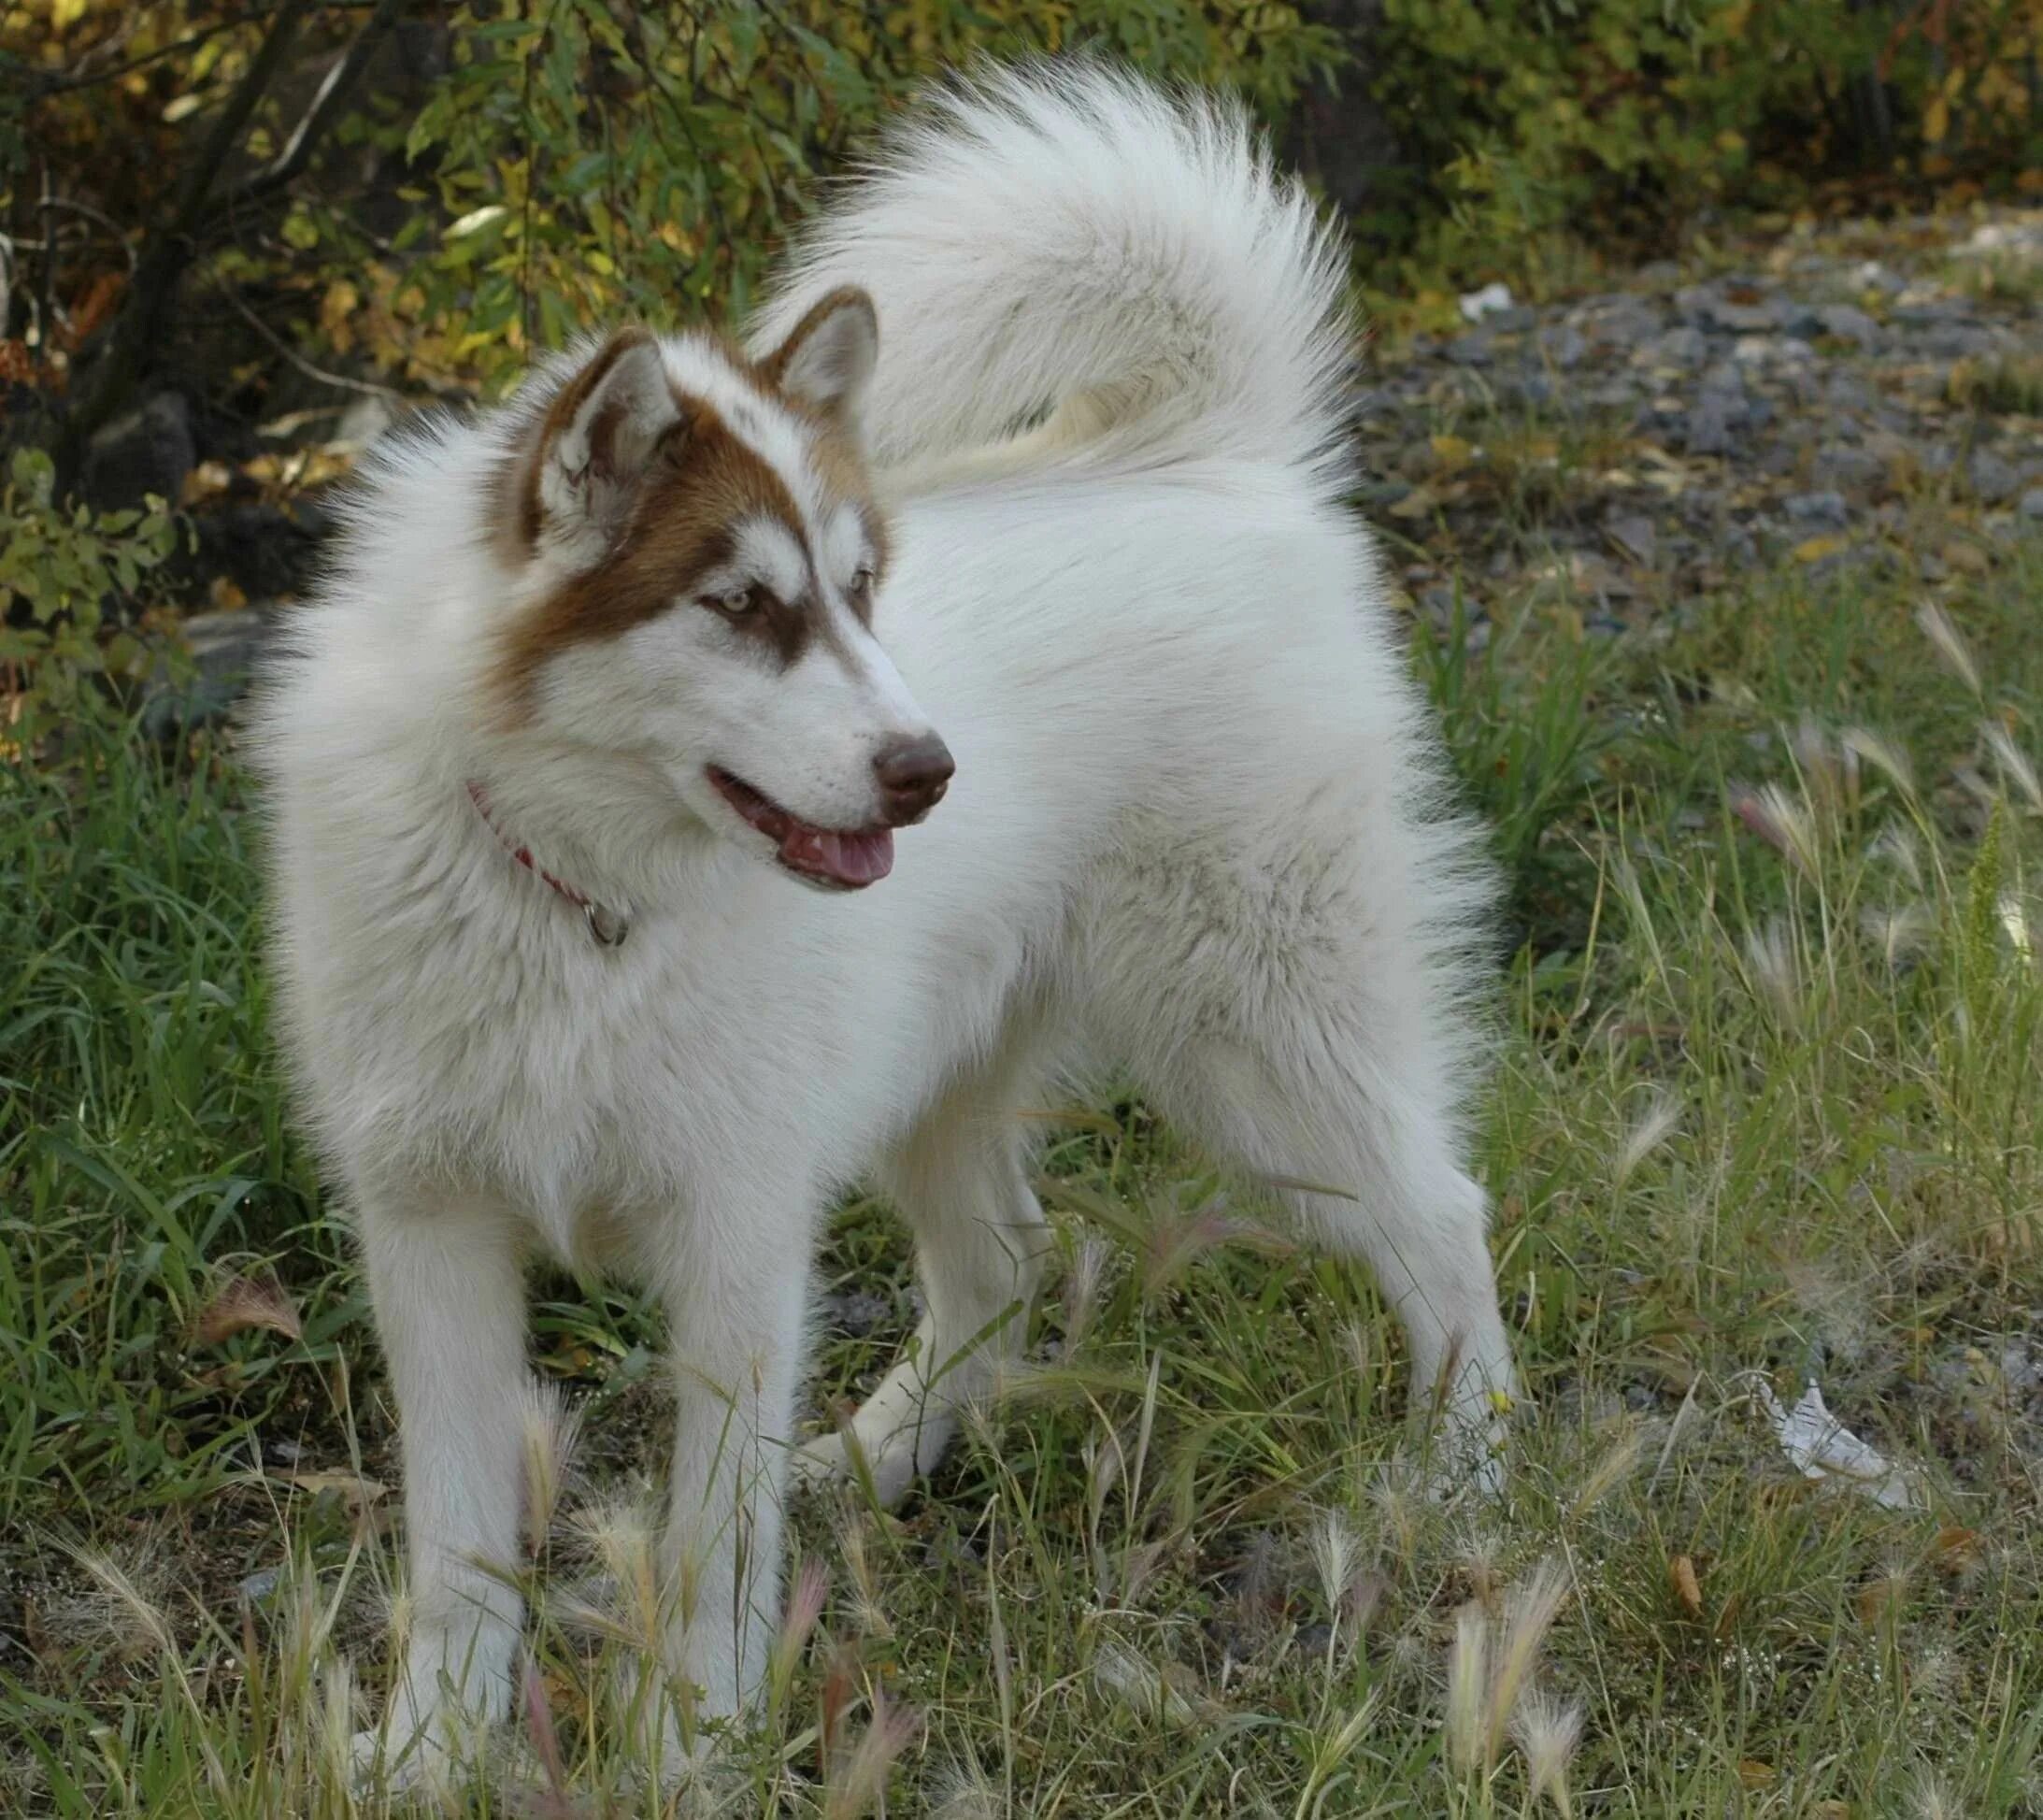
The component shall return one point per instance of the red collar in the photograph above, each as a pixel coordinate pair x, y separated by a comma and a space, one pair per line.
609, 928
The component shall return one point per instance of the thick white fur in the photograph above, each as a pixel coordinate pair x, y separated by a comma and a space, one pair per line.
1194, 831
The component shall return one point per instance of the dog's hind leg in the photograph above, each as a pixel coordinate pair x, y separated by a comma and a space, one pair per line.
448, 1293
1301, 1100
961, 1182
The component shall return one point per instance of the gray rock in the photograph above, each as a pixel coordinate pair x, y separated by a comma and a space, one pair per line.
1635, 534
1564, 346
1825, 510
1950, 341
225, 650
1680, 346
2031, 506
150, 450
1747, 319
858, 1312
1848, 322
1712, 423
1846, 467
1992, 480
259, 1586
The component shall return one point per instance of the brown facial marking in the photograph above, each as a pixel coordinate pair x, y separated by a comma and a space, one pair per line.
783, 627
705, 483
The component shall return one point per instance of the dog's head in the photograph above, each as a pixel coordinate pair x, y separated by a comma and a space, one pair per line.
697, 557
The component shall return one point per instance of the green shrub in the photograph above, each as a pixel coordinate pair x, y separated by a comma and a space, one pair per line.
59, 565
590, 160
1621, 119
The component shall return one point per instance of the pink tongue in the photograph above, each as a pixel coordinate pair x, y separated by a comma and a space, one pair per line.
848, 858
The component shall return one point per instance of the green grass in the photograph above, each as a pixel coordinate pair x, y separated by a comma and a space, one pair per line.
1766, 1108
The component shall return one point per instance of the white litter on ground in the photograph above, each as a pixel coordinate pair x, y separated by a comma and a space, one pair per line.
1489, 301
1824, 1448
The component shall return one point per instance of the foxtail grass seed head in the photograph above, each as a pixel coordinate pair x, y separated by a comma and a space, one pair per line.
1141, 1686
867, 1612
804, 1609
1085, 1284
126, 1617
1548, 1733
1611, 1470
1936, 626
1882, 756
1895, 845
2013, 762
859, 1786
548, 1433
1830, 773
618, 1535
1773, 969
1783, 822
1655, 1126
1934, 1799
1529, 1611
1337, 1559
1467, 1687
1898, 930
960, 1791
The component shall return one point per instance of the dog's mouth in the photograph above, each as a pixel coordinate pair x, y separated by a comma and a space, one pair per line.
842, 859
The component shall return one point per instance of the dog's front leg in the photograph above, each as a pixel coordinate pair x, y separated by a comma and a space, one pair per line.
448, 1295
737, 1302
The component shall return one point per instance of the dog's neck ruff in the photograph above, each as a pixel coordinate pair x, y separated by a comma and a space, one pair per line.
606, 926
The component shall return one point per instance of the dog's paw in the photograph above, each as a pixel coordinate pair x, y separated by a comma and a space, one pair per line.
381, 1764
888, 1468
1467, 1456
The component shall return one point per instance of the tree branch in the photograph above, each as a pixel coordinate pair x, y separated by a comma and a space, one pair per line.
326, 109
170, 251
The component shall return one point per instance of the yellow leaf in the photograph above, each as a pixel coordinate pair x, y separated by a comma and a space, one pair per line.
1688, 1591
1937, 120
356, 1493
1450, 452
1754, 1774
1813, 549
1956, 1551
337, 309
476, 220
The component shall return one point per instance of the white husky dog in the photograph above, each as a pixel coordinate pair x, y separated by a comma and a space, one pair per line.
586, 771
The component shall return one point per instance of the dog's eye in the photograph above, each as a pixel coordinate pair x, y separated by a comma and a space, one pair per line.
861, 586
737, 602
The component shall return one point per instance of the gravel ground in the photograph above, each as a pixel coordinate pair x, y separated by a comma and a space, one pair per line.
1638, 445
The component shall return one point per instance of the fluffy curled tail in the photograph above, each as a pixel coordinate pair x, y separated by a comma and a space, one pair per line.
1067, 238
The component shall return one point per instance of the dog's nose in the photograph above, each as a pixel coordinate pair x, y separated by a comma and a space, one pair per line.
913, 776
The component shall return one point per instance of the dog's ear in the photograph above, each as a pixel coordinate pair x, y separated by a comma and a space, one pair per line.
828, 356
604, 434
